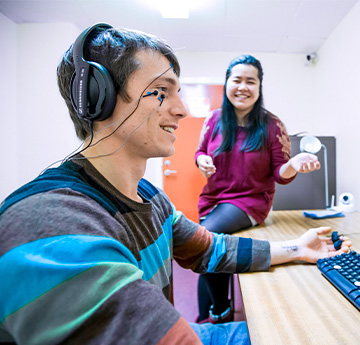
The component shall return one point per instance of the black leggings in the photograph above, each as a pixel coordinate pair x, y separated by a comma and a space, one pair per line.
213, 288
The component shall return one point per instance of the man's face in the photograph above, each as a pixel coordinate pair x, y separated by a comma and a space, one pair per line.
149, 132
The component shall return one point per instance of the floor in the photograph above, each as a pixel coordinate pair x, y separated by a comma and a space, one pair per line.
185, 294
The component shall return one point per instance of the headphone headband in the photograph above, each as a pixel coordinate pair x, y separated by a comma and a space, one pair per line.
92, 89
78, 48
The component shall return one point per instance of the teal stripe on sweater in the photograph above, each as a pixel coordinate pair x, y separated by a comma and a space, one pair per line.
52, 261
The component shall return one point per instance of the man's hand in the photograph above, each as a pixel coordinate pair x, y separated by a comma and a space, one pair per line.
315, 247
309, 247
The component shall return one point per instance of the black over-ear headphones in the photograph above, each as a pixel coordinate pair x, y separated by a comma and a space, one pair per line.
92, 89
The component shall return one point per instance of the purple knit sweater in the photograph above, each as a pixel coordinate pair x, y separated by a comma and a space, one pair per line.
244, 179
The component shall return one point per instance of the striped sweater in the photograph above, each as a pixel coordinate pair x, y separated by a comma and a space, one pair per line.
80, 263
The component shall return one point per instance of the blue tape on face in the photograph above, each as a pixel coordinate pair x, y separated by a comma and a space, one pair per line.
173, 68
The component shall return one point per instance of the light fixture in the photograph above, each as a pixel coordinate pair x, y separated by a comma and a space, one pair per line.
174, 8
313, 145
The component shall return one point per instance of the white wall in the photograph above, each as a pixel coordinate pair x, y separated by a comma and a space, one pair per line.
35, 128
8, 110
338, 93
322, 99
45, 130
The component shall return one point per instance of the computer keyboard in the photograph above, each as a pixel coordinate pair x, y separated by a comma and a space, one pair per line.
343, 271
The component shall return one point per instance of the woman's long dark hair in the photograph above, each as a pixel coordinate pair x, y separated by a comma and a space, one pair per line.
256, 121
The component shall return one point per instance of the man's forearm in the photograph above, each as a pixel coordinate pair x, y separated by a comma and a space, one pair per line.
286, 251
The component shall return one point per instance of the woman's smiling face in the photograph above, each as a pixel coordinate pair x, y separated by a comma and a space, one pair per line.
243, 88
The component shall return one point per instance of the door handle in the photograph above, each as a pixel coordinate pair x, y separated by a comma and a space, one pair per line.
168, 172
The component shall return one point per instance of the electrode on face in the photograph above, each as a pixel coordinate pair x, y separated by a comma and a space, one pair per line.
155, 93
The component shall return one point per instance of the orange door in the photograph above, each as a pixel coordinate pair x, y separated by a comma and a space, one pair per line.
183, 181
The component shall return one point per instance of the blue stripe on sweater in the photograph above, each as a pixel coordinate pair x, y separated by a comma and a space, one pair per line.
153, 257
218, 252
52, 261
147, 189
244, 255
64, 177
53, 179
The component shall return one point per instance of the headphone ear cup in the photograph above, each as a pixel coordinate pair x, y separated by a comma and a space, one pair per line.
100, 93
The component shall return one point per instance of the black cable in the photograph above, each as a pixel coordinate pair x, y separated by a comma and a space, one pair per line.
69, 157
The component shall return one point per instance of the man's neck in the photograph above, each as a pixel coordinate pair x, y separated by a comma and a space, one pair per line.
124, 173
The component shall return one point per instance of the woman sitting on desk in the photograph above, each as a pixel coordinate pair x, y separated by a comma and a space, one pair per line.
249, 149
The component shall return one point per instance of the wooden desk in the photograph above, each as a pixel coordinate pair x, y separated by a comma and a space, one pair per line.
293, 303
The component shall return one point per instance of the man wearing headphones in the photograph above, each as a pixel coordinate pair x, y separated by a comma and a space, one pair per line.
86, 248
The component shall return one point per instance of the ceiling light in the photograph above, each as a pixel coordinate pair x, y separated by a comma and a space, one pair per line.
174, 8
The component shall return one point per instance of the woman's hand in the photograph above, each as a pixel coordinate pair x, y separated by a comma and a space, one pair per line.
301, 163
305, 162
206, 165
